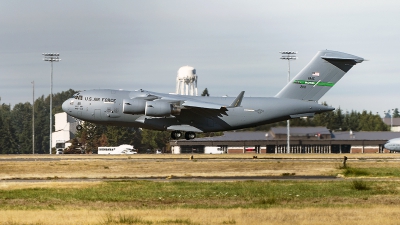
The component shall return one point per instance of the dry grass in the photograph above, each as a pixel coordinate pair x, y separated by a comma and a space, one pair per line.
49, 184
132, 169
375, 215
98, 166
380, 210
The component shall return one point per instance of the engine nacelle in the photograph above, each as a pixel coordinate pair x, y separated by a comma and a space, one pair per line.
158, 108
161, 108
134, 106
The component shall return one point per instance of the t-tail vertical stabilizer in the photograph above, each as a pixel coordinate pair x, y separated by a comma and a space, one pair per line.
320, 75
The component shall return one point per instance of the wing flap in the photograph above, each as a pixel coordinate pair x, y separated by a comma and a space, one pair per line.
199, 104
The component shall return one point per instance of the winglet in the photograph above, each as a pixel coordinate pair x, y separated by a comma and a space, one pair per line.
238, 100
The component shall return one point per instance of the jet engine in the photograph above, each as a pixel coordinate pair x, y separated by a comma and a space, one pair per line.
161, 108
134, 106
149, 108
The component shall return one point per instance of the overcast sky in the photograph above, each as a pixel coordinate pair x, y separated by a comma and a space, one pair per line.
233, 45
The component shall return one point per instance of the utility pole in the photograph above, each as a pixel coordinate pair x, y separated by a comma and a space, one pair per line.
51, 57
288, 55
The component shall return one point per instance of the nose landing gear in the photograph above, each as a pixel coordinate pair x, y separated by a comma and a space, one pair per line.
79, 126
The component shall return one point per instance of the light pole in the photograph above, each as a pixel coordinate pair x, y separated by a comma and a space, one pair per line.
33, 117
51, 57
288, 55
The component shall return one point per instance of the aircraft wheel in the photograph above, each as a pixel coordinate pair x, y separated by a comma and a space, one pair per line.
190, 135
79, 127
176, 134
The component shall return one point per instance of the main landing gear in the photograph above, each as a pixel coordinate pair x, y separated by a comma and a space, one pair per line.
79, 126
178, 134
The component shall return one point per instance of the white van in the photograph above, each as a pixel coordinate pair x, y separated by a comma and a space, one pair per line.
122, 149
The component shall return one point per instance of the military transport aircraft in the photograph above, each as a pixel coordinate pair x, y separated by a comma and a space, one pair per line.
393, 145
190, 114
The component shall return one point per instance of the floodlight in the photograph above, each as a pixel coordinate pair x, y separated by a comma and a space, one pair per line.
51, 57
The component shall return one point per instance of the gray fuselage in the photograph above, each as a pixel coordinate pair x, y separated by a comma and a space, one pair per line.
107, 107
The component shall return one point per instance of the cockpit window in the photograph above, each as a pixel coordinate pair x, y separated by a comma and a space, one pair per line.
77, 96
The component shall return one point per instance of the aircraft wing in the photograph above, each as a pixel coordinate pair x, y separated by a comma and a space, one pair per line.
187, 101
201, 104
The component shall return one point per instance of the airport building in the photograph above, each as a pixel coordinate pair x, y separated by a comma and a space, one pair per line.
393, 123
65, 129
302, 140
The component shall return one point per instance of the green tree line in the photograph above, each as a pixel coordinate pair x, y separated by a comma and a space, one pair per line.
16, 127
16, 124
335, 120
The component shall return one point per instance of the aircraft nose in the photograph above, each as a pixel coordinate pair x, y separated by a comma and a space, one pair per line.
65, 106
386, 145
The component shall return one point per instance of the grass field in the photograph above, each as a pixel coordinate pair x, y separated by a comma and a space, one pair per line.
369, 193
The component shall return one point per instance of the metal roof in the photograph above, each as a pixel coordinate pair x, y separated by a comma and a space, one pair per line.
365, 135
233, 136
300, 131
389, 121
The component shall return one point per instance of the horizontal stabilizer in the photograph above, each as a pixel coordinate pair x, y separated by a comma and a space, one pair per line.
355, 59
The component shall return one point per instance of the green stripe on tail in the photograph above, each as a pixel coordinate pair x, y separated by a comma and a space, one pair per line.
314, 83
